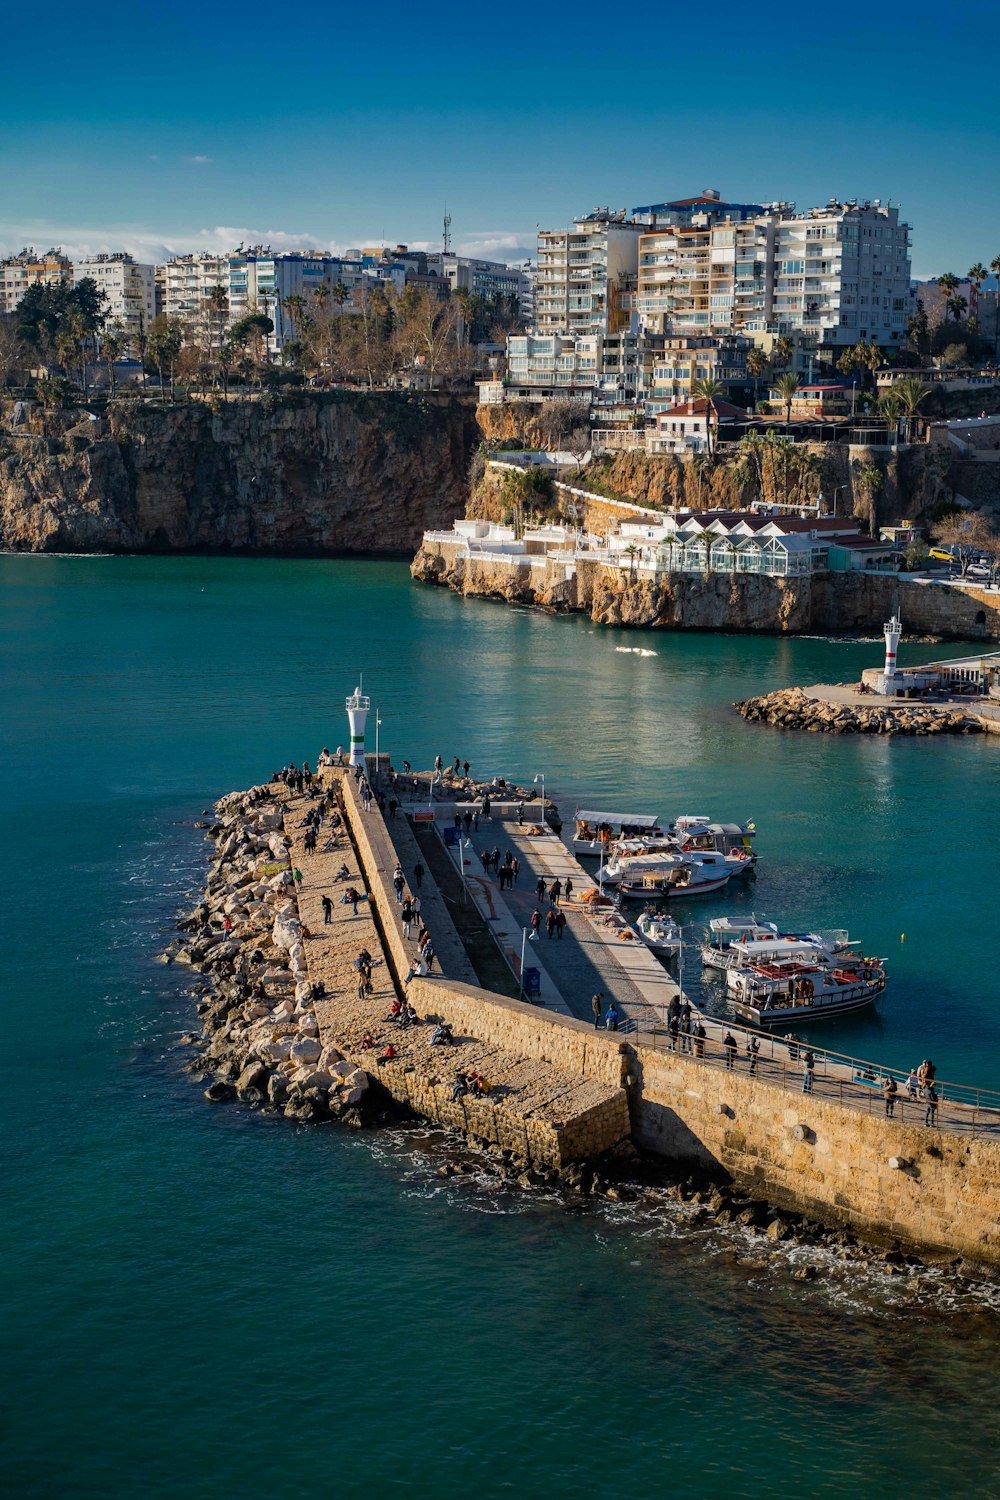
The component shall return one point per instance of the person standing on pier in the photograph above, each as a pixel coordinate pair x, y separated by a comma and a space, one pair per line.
536, 921
560, 923
673, 1026
931, 1100
595, 1006
550, 922
808, 1067
438, 764
753, 1052
555, 891
540, 888
699, 1040
686, 1029
889, 1091
515, 869
407, 916
486, 807
418, 874
729, 1047
327, 905
398, 883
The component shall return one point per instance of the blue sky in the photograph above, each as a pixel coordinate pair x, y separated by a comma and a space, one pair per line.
167, 127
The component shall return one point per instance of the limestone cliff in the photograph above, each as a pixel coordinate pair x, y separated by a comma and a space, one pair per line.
825, 603
335, 471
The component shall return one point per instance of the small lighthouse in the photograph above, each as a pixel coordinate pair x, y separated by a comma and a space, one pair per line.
357, 712
893, 630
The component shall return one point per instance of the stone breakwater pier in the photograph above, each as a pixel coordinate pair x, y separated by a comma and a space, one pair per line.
287, 1024
839, 708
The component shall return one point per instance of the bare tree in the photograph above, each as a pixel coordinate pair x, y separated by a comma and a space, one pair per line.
15, 354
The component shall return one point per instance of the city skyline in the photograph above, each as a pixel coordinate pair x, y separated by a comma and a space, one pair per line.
371, 131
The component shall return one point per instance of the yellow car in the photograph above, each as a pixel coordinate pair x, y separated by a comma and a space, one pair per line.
941, 554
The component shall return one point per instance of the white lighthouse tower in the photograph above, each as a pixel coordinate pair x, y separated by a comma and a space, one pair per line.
358, 705
893, 630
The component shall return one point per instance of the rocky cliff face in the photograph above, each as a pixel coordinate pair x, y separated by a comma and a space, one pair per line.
827, 603
316, 472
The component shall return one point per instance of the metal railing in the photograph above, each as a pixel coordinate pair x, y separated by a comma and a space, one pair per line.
854, 1082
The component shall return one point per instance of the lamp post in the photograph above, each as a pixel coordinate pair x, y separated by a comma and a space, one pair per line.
526, 937
378, 726
463, 844
540, 777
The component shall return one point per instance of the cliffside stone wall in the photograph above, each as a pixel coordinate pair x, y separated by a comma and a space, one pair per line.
829, 603
311, 472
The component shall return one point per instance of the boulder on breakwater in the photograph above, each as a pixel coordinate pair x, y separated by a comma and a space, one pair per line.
259, 1039
792, 708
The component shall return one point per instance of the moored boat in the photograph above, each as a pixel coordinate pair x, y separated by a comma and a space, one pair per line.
594, 833
731, 943
697, 835
659, 932
677, 875
775, 992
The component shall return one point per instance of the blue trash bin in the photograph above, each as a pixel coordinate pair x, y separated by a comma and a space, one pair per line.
450, 837
532, 984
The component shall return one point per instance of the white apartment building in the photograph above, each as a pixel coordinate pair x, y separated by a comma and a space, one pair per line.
543, 367
485, 278
19, 272
262, 282
188, 283
128, 287
253, 280
832, 275
585, 275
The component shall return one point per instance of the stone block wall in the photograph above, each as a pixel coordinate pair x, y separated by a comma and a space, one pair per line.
946, 1198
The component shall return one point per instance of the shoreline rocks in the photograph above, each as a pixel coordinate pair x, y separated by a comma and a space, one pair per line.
259, 1038
791, 708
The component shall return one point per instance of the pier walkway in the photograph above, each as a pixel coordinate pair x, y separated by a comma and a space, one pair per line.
589, 958
544, 1114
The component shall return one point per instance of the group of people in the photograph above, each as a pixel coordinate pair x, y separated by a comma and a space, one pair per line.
297, 778
920, 1084
555, 892
554, 922
470, 1083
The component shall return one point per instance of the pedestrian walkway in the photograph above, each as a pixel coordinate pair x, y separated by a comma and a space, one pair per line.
591, 956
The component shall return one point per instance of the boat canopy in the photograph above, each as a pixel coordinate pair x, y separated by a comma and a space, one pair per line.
621, 820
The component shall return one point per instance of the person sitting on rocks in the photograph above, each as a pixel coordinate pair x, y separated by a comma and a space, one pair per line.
415, 971
343, 873
367, 1042
441, 1036
389, 1053
461, 1087
395, 1011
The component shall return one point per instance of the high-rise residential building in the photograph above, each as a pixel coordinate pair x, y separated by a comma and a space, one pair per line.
252, 280
586, 274
19, 272
262, 282
189, 282
832, 276
128, 288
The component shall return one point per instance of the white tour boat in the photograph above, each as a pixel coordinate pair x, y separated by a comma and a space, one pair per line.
697, 835
664, 874
595, 832
791, 989
731, 943
660, 933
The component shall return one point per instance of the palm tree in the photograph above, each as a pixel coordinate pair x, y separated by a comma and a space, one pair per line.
995, 268
958, 307
948, 283
977, 274
784, 348
756, 365
708, 390
113, 346
787, 385
912, 394
868, 483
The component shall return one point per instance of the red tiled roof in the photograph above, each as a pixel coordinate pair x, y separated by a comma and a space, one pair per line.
699, 406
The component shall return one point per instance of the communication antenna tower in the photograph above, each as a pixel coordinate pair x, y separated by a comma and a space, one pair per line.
447, 232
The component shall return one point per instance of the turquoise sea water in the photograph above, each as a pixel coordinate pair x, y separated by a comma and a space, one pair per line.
199, 1301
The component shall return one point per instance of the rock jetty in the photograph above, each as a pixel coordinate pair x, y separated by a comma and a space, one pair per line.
260, 1037
792, 708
